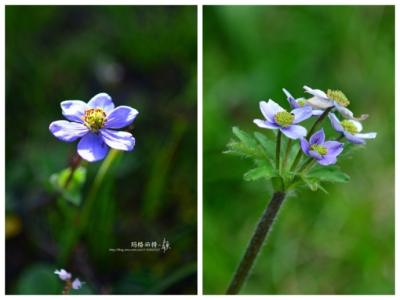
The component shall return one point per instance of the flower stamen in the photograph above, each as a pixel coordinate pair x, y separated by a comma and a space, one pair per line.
338, 96
94, 119
284, 118
321, 150
349, 127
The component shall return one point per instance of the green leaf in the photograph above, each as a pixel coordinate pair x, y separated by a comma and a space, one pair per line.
246, 138
72, 191
39, 279
265, 172
328, 173
246, 146
267, 144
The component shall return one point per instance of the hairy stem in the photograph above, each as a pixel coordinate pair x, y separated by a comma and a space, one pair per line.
74, 164
311, 131
288, 147
278, 148
259, 236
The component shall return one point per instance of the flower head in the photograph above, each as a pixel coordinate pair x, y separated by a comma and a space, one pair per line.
64, 275
94, 123
351, 130
324, 153
331, 98
278, 118
77, 284
300, 102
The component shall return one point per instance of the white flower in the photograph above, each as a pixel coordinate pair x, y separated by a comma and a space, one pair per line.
64, 275
336, 98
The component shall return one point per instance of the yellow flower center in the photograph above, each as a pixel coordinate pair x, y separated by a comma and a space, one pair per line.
349, 126
301, 102
284, 118
338, 96
94, 119
320, 149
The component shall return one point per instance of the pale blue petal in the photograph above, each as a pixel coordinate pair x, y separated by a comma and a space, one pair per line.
301, 114
294, 131
265, 124
305, 146
353, 139
92, 147
73, 110
333, 147
67, 131
318, 137
327, 160
102, 101
120, 140
120, 117
335, 123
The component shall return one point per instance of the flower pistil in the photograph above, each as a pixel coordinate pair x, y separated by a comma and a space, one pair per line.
284, 118
321, 150
94, 119
349, 126
338, 96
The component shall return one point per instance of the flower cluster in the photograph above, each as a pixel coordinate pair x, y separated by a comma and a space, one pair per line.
65, 276
320, 105
94, 123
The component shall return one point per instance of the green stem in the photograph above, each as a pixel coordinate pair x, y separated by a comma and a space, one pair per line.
84, 215
308, 163
317, 122
257, 240
98, 181
75, 163
278, 149
288, 147
340, 137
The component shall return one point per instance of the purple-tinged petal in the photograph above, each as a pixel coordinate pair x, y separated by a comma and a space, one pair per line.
317, 112
102, 101
333, 147
315, 154
270, 109
294, 131
335, 123
62, 274
353, 139
301, 114
319, 103
292, 101
369, 135
318, 137
92, 147
76, 284
265, 124
73, 110
316, 92
305, 146
121, 116
120, 140
327, 160
67, 131
346, 113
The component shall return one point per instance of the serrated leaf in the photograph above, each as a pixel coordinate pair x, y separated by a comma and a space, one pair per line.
243, 136
313, 184
71, 191
328, 173
267, 144
265, 172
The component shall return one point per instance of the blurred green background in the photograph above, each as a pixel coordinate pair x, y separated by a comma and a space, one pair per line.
144, 57
336, 243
